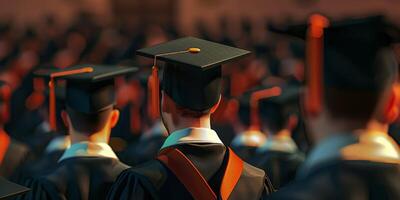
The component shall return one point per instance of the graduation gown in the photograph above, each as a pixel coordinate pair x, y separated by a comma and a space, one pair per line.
348, 168
77, 176
204, 149
143, 150
153, 180
280, 158
45, 164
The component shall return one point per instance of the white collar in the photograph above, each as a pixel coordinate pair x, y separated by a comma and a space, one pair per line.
88, 149
249, 138
281, 143
370, 145
192, 135
58, 143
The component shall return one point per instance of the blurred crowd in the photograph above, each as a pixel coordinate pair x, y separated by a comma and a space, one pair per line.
274, 61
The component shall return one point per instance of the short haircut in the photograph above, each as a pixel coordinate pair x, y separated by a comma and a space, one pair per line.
89, 123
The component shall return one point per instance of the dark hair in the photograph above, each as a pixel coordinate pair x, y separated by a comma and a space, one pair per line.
185, 112
89, 123
351, 104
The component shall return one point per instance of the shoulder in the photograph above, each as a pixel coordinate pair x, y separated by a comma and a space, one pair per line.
140, 182
252, 172
152, 170
41, 188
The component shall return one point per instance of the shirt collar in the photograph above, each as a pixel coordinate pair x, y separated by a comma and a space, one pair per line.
88, 149
369, 145
281, 143
249, 138
192, 135
58, 143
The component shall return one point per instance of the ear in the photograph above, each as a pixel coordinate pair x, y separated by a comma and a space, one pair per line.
215, 107
114, 118
64, 116
292, 122
391, 111
167, 104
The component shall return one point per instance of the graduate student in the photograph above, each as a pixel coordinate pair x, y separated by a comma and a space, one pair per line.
56, 147
246, 143
193, 163
279, 156
88, 168
348, 104
12, 153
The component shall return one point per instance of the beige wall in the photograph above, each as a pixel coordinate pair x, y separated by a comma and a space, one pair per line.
31, 11
210, 10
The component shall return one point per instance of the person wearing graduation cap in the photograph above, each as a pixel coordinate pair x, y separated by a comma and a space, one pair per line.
12, 152
60, 141
279, 156
348, 103
89, 166
193, 163
248, 141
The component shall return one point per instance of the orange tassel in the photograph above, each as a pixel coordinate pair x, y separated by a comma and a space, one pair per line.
154, 94
52, 92
314, 59
6, 95
4, 143
254, 105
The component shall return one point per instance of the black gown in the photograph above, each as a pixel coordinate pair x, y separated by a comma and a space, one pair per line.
143, 150
46, 164
280, 166
17, 153
77, 178
153, 180
349, 167
347, 180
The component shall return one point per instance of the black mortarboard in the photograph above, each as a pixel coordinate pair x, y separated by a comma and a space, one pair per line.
192, 75
89, 88
9, 189
249, 105
348, 53
350, 50
278, 109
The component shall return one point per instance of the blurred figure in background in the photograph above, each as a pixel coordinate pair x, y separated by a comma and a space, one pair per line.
279, 156
12, 153
348, 111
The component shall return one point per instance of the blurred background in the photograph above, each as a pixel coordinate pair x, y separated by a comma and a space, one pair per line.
60, 33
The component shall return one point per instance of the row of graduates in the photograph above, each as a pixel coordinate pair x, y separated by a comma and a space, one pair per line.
354, 158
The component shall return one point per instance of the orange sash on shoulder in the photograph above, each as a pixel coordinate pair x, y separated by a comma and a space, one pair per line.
192, 179
4, 144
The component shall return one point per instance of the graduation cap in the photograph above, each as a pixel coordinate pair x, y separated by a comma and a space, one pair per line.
250, 105
192, 75
5, 96
89, 88
279, 108
343, 54
9, 189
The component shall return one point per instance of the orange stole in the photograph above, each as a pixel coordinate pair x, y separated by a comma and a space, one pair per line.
4, 144
194, 182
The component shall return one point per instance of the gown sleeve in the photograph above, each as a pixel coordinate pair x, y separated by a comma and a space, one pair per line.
129, 186
41, 189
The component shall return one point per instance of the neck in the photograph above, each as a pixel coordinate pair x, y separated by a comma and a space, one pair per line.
185, 122
102, 136
375, 125
283, 133
326, 126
